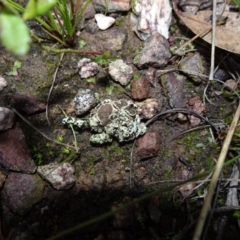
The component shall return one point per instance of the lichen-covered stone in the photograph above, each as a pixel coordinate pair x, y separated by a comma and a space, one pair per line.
84, 101
87, 68
115, 119
60, 175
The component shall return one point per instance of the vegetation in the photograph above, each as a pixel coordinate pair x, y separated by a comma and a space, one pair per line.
58, 18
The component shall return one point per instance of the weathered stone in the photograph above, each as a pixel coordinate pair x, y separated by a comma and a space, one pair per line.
148, 108
60, 175
3, 83
14, 153
120, 71
140, 88
149, 144
28, 103
89, 11
87, 68
112, 6
84, 101
22, 191
7, 118
111, 39
193, 66
173, 84
154, 54
151, 16
192, 100
2, 179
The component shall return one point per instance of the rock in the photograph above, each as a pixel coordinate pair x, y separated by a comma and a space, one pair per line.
192, 64
198, 107
149, 144
140, 88
112, 6
28, 103
89, 11
14, 153
3, 83
173, 84
87, 68
148, 108
151, 16
7, 118
154, 54
104, 22
231, 85
111, 39
192, 100
221, 75
2, 179
60, 175
22, 191
84, 101
120, 71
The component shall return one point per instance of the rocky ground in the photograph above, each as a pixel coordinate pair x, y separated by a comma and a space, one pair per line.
130, 147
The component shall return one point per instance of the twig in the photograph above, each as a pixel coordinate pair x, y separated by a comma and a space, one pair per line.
50, 91
214, 180
37, 130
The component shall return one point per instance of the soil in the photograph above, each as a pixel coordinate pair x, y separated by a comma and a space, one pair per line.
103, 174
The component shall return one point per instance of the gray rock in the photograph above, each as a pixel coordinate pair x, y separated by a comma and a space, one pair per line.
120, 72
14, 153
84, 101
3, 83
7, 118
173, 84
22, 191
154, 54
193, 64
112, 6
60, 175
111, 39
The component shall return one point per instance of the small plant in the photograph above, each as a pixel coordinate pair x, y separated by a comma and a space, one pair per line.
104, 59
60, 138
15, 68
58, 18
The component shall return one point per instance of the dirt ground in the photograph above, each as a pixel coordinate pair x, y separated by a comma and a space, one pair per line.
103, 171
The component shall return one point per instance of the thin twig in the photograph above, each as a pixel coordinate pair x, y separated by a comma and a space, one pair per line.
50, 91
37, 130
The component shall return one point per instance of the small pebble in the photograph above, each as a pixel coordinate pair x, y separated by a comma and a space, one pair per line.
104, 22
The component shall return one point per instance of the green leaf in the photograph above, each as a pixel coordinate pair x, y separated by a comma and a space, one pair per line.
82, 44
14, 71
14, 33
37, 8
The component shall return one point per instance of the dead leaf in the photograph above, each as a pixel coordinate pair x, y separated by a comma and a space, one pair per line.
227, 35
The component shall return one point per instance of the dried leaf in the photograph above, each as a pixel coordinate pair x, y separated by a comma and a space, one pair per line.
227, 35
